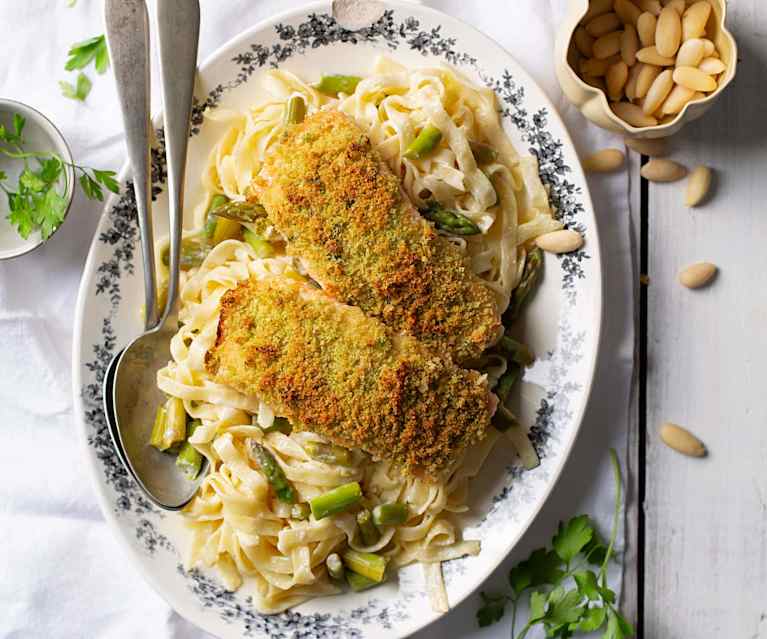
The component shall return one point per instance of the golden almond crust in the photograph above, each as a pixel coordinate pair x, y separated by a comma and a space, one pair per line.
344, 214
330, 369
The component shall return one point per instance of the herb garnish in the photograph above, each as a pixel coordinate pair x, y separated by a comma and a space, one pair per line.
39, 200
566, 595
80, 55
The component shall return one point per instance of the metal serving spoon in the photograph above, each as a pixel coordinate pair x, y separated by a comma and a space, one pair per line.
131, 396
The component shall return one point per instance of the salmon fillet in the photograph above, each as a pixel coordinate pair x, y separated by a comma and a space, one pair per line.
331, 369
346, 217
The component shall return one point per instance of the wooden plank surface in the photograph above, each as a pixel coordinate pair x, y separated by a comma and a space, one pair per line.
706, 520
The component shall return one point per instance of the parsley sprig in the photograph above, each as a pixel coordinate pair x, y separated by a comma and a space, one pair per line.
81, 54
567, 593
39, 200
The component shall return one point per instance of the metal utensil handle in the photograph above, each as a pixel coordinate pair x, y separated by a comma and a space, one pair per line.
127, 31
178, 31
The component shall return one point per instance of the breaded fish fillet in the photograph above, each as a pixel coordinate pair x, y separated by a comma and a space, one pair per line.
344, 214
330, 369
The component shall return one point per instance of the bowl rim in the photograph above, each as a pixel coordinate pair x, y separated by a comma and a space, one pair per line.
729, 76
54, 133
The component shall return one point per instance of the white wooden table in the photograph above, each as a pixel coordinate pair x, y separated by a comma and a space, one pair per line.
699, 527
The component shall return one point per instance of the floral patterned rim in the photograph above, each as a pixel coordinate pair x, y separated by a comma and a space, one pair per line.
319, 30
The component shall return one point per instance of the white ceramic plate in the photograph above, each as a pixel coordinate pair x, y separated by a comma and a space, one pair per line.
562, 325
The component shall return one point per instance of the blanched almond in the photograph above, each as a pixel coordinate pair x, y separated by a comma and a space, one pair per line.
608, 45
712, 66
697, 275
616, 78
650, 6
629, 45
694, 79
709, 49
676, 100
698, 185
604, 24
650, 55
658, 92
694, 20
597, 8
584, 42
565, 241
690, 53
681, 440
653, 148
633, 114
647, 76
678, 5
594, 67
604, 161
668, 33
627, 11
646, 26
662, 170
631, 83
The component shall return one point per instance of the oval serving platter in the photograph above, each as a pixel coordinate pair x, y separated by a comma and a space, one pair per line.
562, 325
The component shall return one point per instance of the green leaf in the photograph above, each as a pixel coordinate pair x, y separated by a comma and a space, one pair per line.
607, 594
572, 537
82, 53
596, 550
91, 188
31, 182
53, 209
3, 176
107, 178
537, 605
102, 59
20, 216
50, 170
520, 577
18, 124
492, 609
593, 619
564, 607
587, 584
79, 92
541, 567
617, 626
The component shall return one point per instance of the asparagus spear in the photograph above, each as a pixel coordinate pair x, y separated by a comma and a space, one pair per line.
517, 351
507, 381
300, 511
241, 211
483, 153
426, 141
367, 564
280, 425
336, 500
450, 221
368, 531
296, 111
156, 438
328, 453
211, 220
335, 566
261, 246
392, 514
273, 473
169, 425
189, 459
335, 84
358, 583
531, 277
192, 254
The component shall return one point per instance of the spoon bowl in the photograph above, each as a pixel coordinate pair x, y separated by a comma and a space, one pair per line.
135, 399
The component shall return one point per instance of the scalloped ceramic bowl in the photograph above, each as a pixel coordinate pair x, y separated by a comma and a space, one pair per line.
593, 102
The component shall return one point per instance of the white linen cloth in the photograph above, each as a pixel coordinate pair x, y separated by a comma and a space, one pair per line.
61, 572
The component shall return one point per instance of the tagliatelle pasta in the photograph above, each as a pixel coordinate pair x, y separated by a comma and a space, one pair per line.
236, 524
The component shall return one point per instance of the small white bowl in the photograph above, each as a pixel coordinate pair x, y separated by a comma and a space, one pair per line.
593, 102
39, 134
